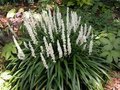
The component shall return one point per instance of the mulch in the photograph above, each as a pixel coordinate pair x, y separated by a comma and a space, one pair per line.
114, 82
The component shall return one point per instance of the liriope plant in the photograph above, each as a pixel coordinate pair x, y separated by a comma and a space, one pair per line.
57, 54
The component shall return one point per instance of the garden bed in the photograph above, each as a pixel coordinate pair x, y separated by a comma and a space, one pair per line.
103, 52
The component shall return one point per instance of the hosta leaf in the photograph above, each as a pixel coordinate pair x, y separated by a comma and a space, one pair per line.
98, 42
88, 2
104, 54
104, 41
12, 57
14, 50
109, 58
8, 49
115, 55
117, 44
111, 37
118, 33
70, 3
107, 47
7, 55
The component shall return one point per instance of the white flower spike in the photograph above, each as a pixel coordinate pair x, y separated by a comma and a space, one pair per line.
59, 49
32, 50
20, 54
51, 52
44, 61
46, 46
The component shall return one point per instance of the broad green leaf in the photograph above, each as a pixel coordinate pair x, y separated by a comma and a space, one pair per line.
109, 58
14, 50
7, 55
88, 2
116, 44
98, 42
107, 47
104, 41
104, 54
70, 3
111, 37
118, 34
115, 55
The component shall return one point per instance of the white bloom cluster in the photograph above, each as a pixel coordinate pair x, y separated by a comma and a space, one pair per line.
49, 49
30, 25
63, 38
83, 34
80, 36
53, 25
48, 21
75, 20
32, 50
20, 54
59, 17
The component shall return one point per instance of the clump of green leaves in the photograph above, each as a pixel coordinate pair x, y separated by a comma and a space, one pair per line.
110, 47
75, 71
8, 51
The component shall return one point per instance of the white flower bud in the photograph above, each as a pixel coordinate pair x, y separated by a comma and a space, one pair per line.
50, 32
32, 50
68, 45
89, 31
64, 39
55, 25
85, 29
91, 45
30, 32
67, 19
45, 17
75, 21
20, 54
46, 45
80, 36
51, 52
59, 18
41, 47
50, 19
25, 44
44, 61
59, 49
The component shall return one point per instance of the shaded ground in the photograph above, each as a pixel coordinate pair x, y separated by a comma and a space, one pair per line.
114, 82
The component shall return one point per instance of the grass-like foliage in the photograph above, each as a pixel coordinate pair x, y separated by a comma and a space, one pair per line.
58, 56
